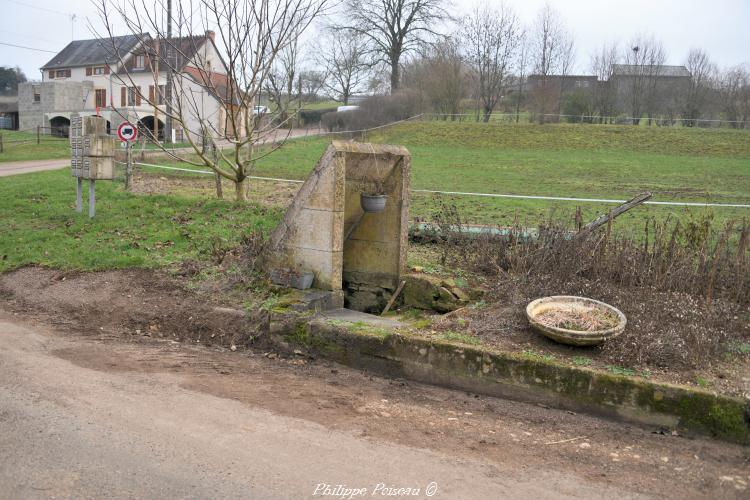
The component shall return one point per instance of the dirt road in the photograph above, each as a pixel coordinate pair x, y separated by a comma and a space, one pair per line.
91, 414
29, 166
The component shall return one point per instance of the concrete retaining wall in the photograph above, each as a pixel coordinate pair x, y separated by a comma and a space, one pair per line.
513, 376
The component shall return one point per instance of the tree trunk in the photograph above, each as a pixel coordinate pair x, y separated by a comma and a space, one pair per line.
219, 190
240, 187
395, 75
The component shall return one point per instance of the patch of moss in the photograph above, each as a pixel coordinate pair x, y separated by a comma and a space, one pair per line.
460, 337
620, 370
702, 382
360, 327
719, 418
301, 336
581, 361
529, 354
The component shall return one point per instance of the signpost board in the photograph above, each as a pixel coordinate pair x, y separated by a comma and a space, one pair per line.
92, 156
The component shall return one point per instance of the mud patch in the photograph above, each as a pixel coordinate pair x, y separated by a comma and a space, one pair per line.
266, 193
135, 303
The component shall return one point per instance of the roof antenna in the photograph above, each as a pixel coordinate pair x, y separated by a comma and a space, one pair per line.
73, 18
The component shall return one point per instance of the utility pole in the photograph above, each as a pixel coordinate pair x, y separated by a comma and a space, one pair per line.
168, 89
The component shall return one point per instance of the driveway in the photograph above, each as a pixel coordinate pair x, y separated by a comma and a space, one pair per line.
30, 166
88, 415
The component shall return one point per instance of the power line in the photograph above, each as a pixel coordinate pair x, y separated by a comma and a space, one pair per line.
28, 48
40, 8
23, 35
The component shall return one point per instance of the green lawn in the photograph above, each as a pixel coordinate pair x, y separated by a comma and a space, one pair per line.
19, 146
580, 161
40, 226
322, 105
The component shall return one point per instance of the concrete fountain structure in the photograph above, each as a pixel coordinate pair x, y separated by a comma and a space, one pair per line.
358, 256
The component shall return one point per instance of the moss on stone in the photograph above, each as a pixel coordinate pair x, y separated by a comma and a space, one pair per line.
463, 338
302, 336
484, 370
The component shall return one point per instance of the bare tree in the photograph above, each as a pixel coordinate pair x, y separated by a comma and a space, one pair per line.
343, 54
644, 61
313, 82
734, 88
552, 53
605, 94
522, 65
218, 61
437, 78
491, 38
394, 27
280, 84
702, 74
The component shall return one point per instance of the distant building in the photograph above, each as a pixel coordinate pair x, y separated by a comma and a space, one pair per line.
547, 92
659, 87
9, 112
116, 79
561, 83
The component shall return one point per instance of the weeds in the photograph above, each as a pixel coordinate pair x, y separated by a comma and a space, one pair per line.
533, 355
581, 361
685, 256
619, 370
683, 285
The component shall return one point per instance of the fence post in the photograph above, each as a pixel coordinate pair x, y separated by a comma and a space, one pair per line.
38, 140
1, 143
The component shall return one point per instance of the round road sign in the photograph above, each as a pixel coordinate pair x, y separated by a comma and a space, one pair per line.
127, 131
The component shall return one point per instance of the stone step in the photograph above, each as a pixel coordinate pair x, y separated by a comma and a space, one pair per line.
352, 316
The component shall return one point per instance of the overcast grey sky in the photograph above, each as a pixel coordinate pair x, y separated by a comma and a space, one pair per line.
721, 27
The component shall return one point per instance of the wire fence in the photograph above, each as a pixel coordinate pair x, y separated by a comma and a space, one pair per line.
481, 195
584, 119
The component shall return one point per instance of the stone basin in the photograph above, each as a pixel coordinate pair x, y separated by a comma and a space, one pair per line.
578, 304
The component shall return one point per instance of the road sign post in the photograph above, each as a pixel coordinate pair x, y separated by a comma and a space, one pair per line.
128, 133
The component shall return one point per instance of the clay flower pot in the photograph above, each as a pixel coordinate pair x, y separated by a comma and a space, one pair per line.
372, 203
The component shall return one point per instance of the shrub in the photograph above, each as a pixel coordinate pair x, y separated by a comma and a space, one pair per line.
373, 112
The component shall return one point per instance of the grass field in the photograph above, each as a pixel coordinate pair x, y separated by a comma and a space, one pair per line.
40, 226
19, 146
611, 162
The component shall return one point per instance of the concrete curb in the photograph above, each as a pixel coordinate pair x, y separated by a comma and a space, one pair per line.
514, 376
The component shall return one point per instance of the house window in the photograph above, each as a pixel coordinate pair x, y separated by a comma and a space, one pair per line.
62, 73
101, 98
140, 62
97, 70
134, 96
37, 95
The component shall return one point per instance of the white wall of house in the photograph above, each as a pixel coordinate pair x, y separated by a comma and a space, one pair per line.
193, 95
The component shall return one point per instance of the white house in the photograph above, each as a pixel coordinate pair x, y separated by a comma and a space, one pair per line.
120, 79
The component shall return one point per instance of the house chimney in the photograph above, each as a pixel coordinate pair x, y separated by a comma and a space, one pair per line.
210, 34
